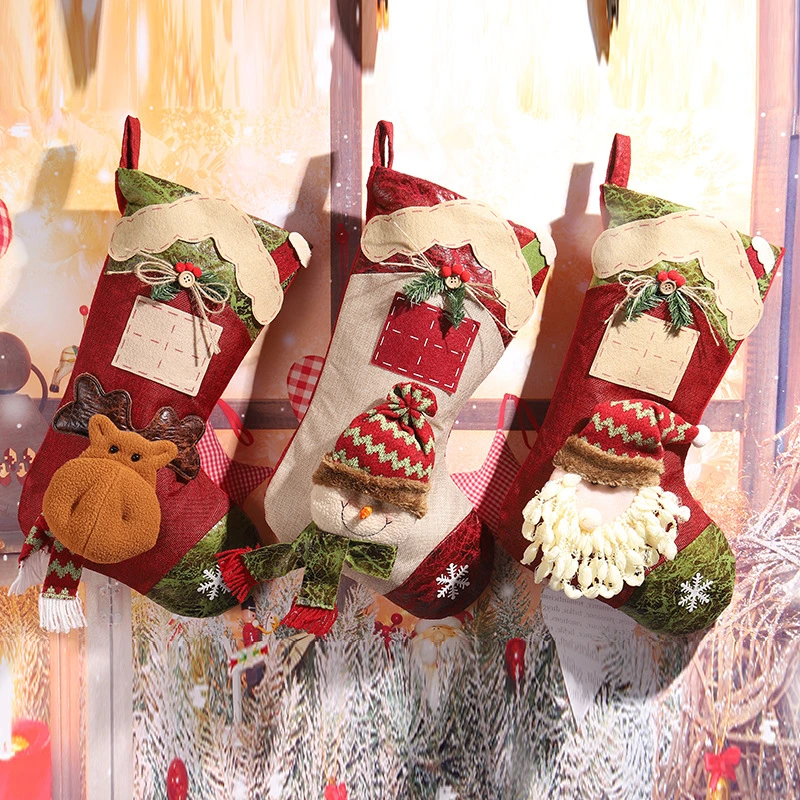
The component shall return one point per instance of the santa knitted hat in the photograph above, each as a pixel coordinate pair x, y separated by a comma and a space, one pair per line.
388, 451
623, 443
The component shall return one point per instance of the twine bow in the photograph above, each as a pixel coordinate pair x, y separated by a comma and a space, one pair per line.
722, 765
208, 297
636, 285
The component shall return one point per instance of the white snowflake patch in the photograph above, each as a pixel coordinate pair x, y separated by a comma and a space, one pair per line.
213, 584
453, 582
695, 592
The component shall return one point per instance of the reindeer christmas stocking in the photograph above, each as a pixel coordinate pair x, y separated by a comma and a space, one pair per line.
189, 283
602, 496
439, 289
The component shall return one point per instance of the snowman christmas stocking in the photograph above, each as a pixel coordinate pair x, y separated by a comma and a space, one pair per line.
600, 506
439, 289
188, 284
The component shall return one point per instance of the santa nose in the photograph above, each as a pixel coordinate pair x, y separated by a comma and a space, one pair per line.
365, 512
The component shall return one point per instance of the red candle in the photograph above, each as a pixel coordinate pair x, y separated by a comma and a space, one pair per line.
28, 772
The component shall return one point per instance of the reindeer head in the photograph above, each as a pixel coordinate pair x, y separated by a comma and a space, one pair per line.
103, 505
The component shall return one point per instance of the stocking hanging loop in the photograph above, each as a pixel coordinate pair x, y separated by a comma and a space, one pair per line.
129, 157
619, 160
618, 170
383, 145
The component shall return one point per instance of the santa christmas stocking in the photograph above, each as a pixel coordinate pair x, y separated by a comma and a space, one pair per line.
439, 289
188, 284
602, 498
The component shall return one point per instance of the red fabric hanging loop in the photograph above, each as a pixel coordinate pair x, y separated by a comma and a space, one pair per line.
383, 145
619, 168
129, 158
519, 405
243, 434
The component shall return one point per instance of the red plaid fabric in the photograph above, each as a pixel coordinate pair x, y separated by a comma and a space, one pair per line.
486, 487
5, 228
236, 479
301, 382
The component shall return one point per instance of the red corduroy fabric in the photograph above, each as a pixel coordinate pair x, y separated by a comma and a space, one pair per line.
470, 543
438, 357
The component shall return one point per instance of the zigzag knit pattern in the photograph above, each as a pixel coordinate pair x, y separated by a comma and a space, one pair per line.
635, 428
63, 573
384, 456
394, 439
38, 538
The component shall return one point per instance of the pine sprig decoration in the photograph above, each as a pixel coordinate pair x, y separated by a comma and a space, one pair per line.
421, 289
165, 292
646, 300
679, 310
454, 305
646, 293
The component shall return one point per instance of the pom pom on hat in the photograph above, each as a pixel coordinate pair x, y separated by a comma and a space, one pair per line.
703, 436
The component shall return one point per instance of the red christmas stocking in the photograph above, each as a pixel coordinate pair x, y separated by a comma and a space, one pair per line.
674, 294
439, 289
189, 283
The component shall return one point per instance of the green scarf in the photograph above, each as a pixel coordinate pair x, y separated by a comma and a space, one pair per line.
323, 556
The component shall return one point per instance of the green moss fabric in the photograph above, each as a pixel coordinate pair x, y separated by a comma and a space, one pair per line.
178, 591
323, 556
533, 255
664, 604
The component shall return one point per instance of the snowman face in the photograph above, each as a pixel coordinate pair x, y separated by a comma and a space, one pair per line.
345, 514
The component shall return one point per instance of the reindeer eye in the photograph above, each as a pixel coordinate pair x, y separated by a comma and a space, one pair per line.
135, 457
113, 449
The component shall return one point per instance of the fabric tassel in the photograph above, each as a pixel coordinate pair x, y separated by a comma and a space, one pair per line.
60, 614
31, 572
317, 621
237, 577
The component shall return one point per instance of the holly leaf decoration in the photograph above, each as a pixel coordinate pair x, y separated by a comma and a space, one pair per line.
679, 310
424, 287
646, 300
165, 292
454, 305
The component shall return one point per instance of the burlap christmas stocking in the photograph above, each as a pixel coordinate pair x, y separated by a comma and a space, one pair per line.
188, 284
439, 289
600, 506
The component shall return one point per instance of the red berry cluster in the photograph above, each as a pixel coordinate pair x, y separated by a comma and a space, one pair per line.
459, 270
386, 631
672, 275
187, 266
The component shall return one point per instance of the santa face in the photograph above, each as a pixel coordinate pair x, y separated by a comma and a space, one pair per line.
359, 516
590, 539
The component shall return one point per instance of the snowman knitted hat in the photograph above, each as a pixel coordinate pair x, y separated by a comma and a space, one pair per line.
623, 443
388, 451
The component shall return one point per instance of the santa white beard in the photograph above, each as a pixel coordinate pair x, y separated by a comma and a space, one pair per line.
583, 554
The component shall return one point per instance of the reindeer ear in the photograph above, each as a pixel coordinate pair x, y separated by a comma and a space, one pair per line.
160, 453
101, 428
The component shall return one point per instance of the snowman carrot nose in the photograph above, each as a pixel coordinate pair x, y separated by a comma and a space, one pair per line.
365, 512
